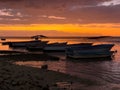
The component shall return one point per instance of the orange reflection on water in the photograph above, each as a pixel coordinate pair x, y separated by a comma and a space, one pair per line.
5, 47
31, 63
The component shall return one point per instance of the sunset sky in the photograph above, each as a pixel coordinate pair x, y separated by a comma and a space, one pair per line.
60, 17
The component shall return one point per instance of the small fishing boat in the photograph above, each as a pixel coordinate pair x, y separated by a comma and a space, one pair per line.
91, 48
36, 47
94, 51
3, 39
90, 55
79, 45
55, 47
25, 43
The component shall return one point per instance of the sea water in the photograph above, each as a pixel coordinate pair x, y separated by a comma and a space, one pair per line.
107, 72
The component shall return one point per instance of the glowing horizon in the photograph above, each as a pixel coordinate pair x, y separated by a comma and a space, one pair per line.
98, 29
83, 17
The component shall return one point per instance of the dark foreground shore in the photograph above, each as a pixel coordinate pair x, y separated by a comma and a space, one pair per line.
15, 77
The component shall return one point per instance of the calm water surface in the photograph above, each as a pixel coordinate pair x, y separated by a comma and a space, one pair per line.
106, 72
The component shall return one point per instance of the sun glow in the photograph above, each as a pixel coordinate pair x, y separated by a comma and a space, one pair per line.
101, 29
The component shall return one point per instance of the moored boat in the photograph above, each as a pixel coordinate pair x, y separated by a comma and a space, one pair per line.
55, 47
36, 47
91, 48
91, 55
79, 45
26, 43
94, 51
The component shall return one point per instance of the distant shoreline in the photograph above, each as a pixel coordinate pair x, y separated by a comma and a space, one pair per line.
57, 37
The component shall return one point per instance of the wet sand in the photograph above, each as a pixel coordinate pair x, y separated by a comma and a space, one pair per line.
15, 77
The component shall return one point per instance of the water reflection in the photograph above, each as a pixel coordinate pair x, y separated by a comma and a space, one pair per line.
104, 71
4, 47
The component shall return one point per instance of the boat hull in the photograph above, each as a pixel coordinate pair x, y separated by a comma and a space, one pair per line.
27, 43
63, 46
89, 49
91, 55
95, 51
32, 48
59, 47
51, 49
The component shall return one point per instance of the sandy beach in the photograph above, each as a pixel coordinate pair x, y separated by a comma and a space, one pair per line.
14, 77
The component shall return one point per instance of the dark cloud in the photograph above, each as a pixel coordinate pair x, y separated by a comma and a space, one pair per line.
50, 3
11, 0
74, 11
97, 14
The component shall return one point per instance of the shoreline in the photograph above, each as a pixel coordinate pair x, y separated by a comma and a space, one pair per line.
16, 77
